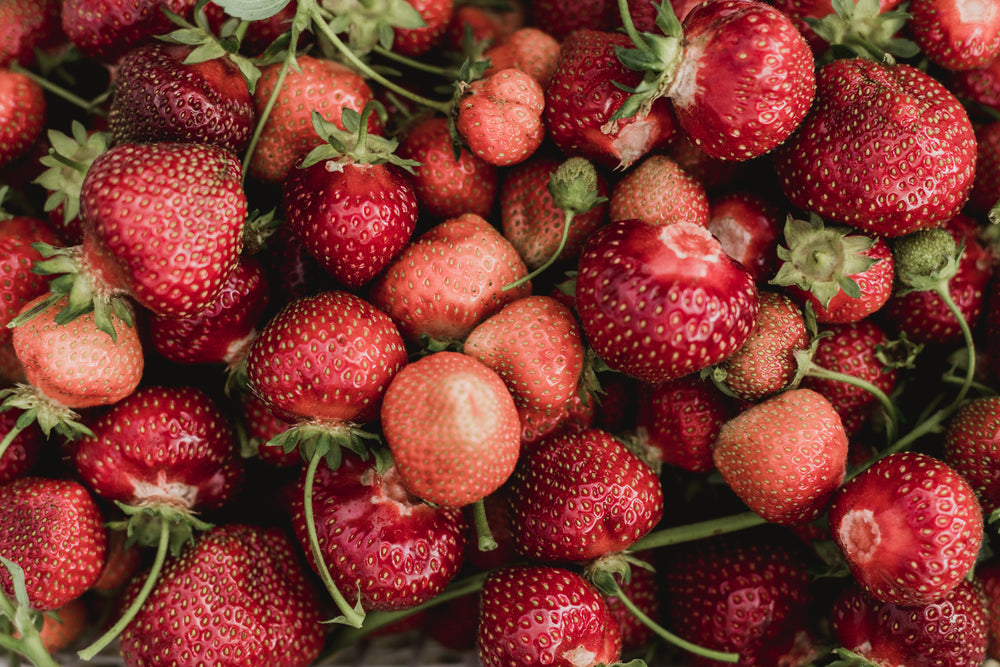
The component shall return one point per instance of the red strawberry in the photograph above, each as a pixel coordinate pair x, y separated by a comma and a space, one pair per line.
972, 448
658, 191
576, 414
583, 95
122, 560
452, 428
23, 451
492, 24
657, 303
535, 345
956, 34
531, 50
785, 456
500, 117
986, 184
869, 119
447, 187
237, 596
436, 15
379, 541
53, 529
67, 624
537, 614
909, 527
450, 279
561, 18
580, 496
950, 631
27, 25
22, 115
161, 95
715, 174
262, 426
106, 29
804, 12
749, 228
977, 86
988, 576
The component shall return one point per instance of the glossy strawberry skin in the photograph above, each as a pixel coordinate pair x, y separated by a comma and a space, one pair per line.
909, 527
22, 115
163, 223
523, 607
679, 420
659, 191
287, 362
168, 446
580, 496
869, 120
159, 97
353, 218
955, 34
500, 118
106, 29
658, 303
239, 595
972, 448
418, 41
54, 530
746, 78
952, 630
375, 534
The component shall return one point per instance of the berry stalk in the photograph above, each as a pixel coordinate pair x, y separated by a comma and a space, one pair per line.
698, 531
29, 644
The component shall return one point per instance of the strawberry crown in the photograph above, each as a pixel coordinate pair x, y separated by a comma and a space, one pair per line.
862, 30
354, 144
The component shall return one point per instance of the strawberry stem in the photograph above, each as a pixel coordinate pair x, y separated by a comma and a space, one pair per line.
87, 105
698, 531
483, 532
147, 587
23, 618
415, 64
352, 616
567, 220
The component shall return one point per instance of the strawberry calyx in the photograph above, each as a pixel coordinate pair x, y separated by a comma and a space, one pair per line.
926, 260
23, 620
850, 659
38, 408
821, 259
370, 23
354, 145
67, 163
862, 30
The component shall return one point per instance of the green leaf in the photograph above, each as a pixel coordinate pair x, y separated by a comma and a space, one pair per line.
251, 10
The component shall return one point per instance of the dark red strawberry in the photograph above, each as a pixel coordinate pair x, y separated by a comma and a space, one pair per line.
22, 115
643, 590
239, 595
27, 25
658, 303
537, 614
106, 29
561, 18
580, 496
121, 562
54, 531
909, 527
23, 451
956, 34
383, 545
977, 86
749, 228
988, 576
659, 191
971, 448
436, 15
986, 184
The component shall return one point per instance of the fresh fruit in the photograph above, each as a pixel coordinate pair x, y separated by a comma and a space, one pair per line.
749, 228
956, 34
105, 29
660, 192
531, 50
970, 447
22, 115
26, 25
500, 117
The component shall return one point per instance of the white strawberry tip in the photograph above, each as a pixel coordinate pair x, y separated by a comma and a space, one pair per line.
163, 492
688, 240
579, 656
859, 535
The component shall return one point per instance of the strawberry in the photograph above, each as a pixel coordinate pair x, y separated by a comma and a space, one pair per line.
22, 115
538, 614
485, 24
105, 29
531, 50
436, 15
988, 576
460, 441
956, 34
841, 274
679, 420
584, 95
262, 426
766, 363
986, 184
909, 528
350, 201
160, 94
23, 451
532, 221
384, 546
643, 590
535, 345
65, 625
749, 228
868, 120
54, 530
658, 191
121, 562
715, 174
500, 117
784, 456
657, 303
970, 447
576, 414
580, 496
287, 134
26, 25
977, 86
561, 18
446, 186
239, 595
950, 631
449, 279
805, 14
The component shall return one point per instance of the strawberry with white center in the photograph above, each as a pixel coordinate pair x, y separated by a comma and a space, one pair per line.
660, 302
956, 34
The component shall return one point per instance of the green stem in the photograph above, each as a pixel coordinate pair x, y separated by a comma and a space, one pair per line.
892, 426
59, 91
567, 220
147, 587
698, 531
970, 346
30, 646
9, 438
351, 616
483, 532
629, 25
415, 64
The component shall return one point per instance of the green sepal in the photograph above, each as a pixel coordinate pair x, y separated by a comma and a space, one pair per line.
36, 407
354, 144
67, 162
850, 659
252, 10
143, 525
325, 439
573, 186
258, 229
899, 353
371, 22
862, 30
343, 620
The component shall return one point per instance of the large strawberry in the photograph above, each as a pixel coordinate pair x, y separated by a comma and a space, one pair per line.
238, 596
886, 149
580, 496
909, 527
658, 303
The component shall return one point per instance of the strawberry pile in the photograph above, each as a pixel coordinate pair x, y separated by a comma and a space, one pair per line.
556, 333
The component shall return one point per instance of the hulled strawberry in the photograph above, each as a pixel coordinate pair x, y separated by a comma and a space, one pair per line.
749, 228
909, 528
658, 303
538, 614
784, 456
452, 427
659, 191
580, 496
500, 117
900, 143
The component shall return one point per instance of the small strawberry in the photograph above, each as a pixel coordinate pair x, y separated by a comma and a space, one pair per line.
531, 50
27, 25
22, 115
23, 451
660, 192
105, 29
262, 426
972, 448
65, 625
452, 427
909, 527
986, 184
580, 496
239, 595
749, 228
657, 303
537, 614
784, 456
449, 279
54, 531
436, 15
500, 117
121, 562
956, 34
